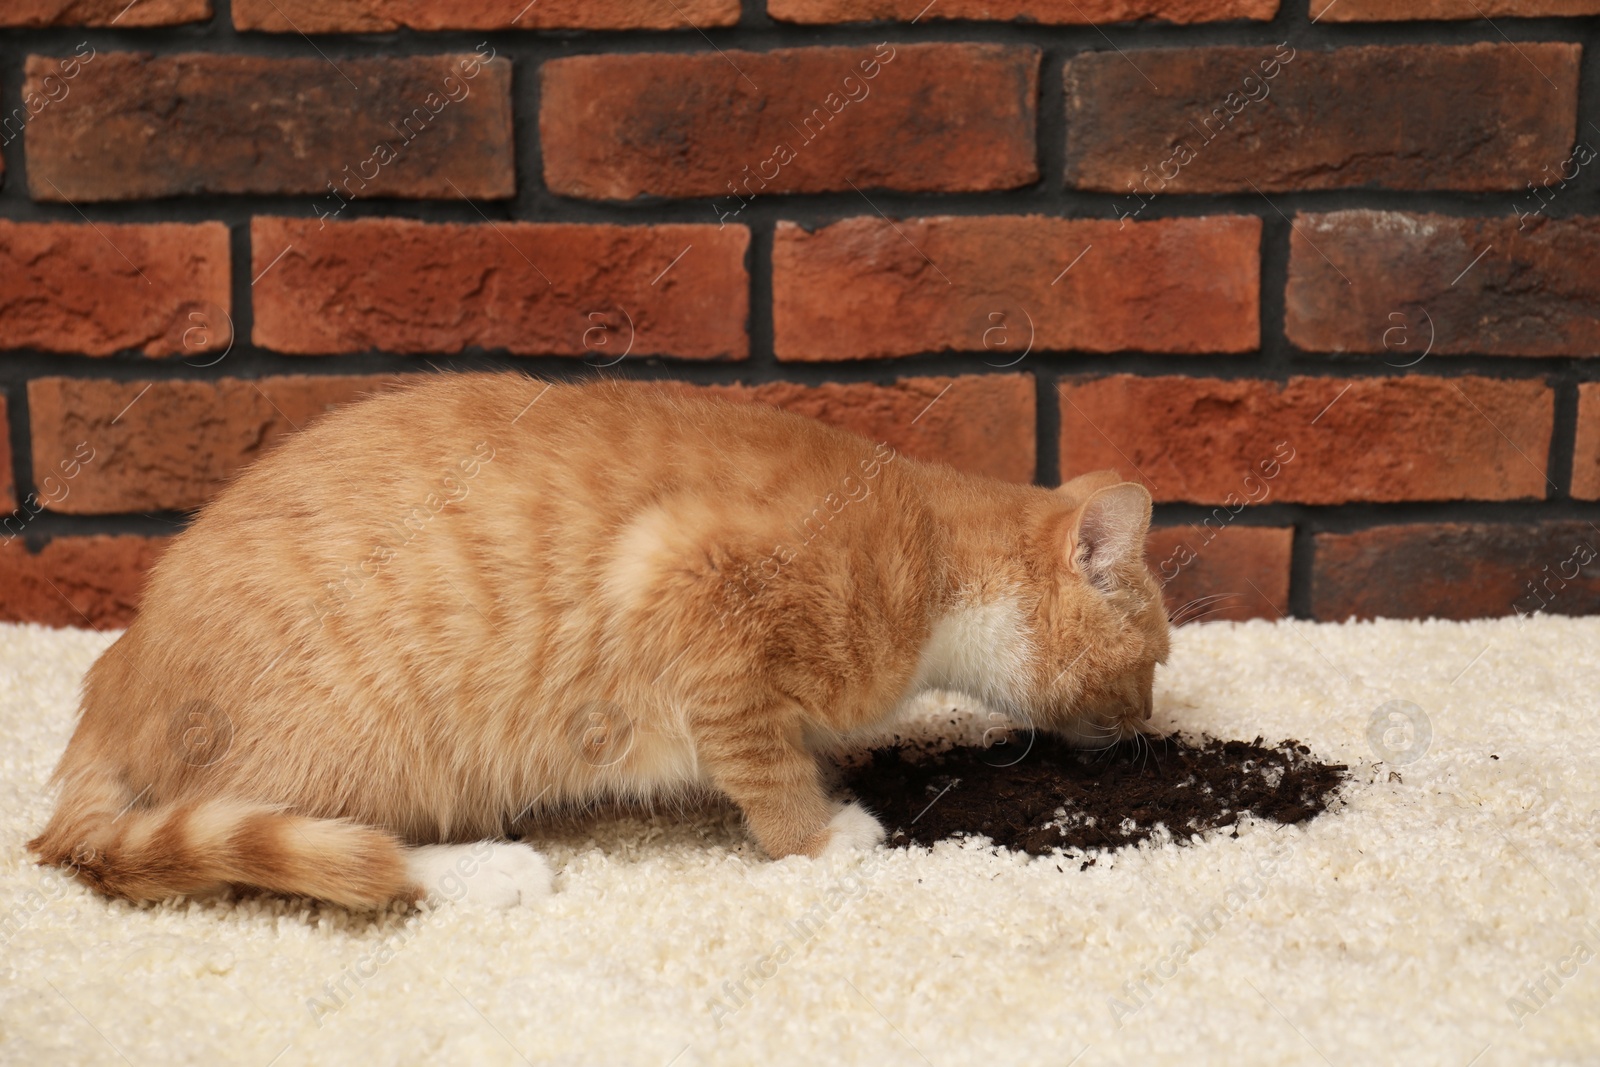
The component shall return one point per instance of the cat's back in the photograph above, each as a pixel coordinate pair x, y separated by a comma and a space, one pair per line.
600, 445
510, 475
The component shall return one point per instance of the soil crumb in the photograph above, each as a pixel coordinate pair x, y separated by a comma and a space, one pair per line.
1053, 796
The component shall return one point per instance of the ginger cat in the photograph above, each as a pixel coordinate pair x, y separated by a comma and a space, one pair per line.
447, 607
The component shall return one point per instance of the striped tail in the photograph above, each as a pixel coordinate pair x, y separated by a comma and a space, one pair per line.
190, 847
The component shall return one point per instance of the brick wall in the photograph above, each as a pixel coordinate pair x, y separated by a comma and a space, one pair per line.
1325, 273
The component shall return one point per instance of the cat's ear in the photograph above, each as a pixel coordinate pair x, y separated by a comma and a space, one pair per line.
1081, 488
1108, 532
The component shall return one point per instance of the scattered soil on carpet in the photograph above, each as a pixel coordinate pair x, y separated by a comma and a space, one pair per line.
1057, 797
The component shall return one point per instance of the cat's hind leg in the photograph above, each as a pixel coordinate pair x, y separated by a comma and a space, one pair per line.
494, 874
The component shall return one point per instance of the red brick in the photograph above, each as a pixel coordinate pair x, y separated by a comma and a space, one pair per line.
170, 444
376, 16
138, 126
119, 13
1397, 10
1392, 282
1220, 571
1322, 440
91, 582
867, 288
933, 117
1043, 12
55, 477
1586, 445
53, 85
1457, 571
978, 424
160, 289
1472, 117
527, 288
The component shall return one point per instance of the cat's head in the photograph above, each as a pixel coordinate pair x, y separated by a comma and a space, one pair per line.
1101, 627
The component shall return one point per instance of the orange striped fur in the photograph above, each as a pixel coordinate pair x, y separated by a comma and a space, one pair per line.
483, 596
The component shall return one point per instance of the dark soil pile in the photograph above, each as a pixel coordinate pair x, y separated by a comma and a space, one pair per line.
1058, 797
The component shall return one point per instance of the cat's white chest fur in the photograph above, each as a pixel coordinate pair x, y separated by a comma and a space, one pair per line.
980, 647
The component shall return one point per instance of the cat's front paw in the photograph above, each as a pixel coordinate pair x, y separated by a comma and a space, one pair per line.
491, 874
852, 830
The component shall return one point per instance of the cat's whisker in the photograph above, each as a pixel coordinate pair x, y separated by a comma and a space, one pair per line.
1200, 607
1212, 610
1103, 731
1113, 736
1220, 603
1178, 611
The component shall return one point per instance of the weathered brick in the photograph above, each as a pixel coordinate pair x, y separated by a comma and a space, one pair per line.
1457, 571
138, 126
55, 476
528, 288
976, 423
733, 125
1219, 571
1397, 10
1404, 284
868, 288
89, 582
118, 13
1473, 117
376, 16
1586, 445
170, 444
1044, 12
52, 85
1312, 440
160, 289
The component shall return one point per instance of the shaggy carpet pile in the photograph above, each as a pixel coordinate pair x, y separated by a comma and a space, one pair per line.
1442, 912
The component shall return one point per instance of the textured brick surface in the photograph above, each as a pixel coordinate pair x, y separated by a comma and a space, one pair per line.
138, 126
1392, 10
171, 444
1458, 571
1330, 440
118, 13
933, 117
1586, 445
1391, 282
1046, 12
1473, 117
369, 16
56, 476
51, 84
1219, 570
76, 581
979, 424
528, 288
867, 288
160, 289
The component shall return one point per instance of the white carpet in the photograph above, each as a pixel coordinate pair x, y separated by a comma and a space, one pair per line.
1403, 928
